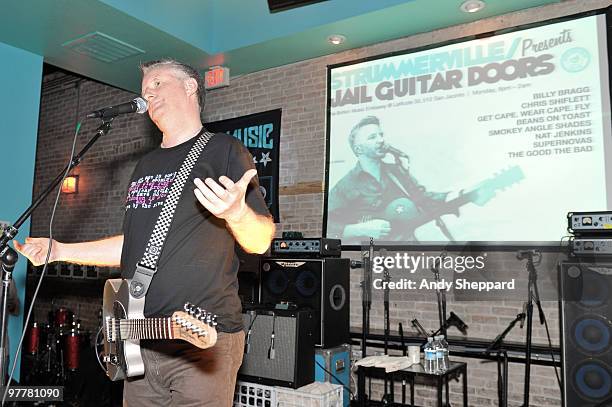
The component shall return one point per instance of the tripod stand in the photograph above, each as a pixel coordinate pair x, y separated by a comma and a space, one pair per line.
502, 360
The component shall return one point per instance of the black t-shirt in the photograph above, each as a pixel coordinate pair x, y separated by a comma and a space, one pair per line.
198, 263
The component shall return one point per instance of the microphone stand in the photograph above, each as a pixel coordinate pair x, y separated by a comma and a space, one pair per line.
366, 301
532, 294
502, 365
441, 297
404, 352
366, 296
8, 259
387, 322
8, 255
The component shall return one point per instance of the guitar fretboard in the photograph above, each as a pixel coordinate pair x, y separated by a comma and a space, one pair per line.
147, 328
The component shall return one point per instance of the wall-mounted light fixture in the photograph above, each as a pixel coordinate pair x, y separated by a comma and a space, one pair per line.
70, 184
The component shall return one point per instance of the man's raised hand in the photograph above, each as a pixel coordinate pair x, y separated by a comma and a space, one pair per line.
225, 201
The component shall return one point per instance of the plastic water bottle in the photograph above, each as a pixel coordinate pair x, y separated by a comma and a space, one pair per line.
441, 353
431, 361
444, 362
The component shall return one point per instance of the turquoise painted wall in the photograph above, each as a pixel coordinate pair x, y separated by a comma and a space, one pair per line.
20, 83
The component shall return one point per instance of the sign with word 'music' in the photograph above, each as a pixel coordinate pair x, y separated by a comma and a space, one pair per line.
260, 133
216, 77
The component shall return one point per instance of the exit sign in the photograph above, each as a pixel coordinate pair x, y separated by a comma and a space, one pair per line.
216, 77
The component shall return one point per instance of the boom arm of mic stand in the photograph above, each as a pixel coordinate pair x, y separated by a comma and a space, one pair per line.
417, 325
502, 335
12, 231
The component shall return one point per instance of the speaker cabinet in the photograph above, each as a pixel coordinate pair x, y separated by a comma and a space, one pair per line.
586, 331
321, 285
290, 334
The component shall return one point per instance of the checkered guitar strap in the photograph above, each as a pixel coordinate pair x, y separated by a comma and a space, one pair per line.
147, 266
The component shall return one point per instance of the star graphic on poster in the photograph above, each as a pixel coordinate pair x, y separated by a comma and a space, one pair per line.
254, 160
265, 158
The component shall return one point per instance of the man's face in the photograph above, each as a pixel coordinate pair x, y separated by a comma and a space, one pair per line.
167, 92
369, 142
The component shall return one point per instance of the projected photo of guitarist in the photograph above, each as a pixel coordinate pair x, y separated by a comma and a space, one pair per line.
381, 199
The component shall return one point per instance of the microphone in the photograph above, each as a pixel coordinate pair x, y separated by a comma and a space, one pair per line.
455, 321
395, 151
522, 318
138, 105
271, 350
526, 254
247, 343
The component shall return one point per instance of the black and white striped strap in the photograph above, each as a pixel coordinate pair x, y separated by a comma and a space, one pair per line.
146, 268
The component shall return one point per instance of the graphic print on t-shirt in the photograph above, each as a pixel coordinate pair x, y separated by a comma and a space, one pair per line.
149, 191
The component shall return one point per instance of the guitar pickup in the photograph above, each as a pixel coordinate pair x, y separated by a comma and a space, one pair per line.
109, 332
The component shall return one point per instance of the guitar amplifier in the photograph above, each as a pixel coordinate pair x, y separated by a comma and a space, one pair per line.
320, 285
279, 348
307, 247
590, 223
590, 247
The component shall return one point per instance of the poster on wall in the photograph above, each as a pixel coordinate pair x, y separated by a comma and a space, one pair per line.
260, 133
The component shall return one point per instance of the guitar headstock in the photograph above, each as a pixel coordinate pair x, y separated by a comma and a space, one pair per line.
195, 326
486, 190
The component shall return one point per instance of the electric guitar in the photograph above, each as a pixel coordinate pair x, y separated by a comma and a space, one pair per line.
405, 217
125, 325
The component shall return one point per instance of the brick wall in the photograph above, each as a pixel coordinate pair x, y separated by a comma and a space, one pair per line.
300, 90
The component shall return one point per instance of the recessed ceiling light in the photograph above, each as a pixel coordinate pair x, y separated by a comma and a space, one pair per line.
472, 6
336, 39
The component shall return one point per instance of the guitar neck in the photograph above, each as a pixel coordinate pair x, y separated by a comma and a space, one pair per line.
445, 208
145, 328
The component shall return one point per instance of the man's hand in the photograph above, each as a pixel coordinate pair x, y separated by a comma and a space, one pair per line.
375, 228
35, 249
225, 201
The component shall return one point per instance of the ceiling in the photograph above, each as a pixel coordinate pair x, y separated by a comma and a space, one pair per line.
241, 34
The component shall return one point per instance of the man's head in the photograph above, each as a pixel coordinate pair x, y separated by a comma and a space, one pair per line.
172, 90
366, 138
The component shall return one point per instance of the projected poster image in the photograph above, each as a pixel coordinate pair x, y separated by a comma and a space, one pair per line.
491, 140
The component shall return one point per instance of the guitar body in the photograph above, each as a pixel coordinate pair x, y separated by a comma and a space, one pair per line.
404, 216
116, 304
125, 325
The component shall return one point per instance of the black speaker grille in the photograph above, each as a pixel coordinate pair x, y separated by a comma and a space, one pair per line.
586, 328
